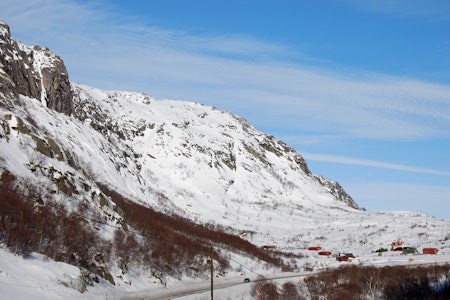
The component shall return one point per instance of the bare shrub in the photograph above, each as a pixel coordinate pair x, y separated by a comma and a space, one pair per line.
391, 282
177, 244
314, 286
264, 289
27, 224
290, 291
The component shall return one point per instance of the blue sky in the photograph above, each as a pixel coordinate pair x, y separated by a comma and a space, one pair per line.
360, 88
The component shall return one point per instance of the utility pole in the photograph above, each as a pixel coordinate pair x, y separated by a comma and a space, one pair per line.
212, 274
435, 274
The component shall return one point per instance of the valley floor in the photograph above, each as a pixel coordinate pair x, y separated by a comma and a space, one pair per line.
41, 278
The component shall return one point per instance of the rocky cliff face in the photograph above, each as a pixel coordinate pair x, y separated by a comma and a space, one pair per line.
34, 72
336, 189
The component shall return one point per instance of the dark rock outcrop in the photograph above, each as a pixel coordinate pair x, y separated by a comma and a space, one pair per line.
336, 189
16, 69
33, 72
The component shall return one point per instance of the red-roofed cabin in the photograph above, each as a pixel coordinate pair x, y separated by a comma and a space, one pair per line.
430, 250
397, 243
342, 258
314, 248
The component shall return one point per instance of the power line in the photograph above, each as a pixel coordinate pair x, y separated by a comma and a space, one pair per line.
158, 238
146, 235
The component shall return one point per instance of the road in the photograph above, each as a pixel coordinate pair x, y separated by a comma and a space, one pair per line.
198, 288
203, 287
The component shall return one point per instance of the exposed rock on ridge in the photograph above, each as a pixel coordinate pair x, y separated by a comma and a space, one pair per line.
34, 72
336, 189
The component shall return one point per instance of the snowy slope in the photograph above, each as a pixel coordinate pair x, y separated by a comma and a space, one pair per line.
206, 164
212, 166
199, 162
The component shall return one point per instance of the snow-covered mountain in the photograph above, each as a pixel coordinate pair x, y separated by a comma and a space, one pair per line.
197, 161
177, 157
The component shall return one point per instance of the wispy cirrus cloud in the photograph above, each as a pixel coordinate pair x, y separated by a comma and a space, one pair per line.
372, 163
229, 45
241, 74
49, 16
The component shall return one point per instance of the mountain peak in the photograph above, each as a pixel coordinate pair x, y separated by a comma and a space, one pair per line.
5, 33
34, 72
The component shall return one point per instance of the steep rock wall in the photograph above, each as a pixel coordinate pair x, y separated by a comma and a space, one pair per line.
34, 72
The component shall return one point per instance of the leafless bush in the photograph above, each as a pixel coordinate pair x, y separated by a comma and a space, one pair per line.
29, 225
290, 291
264, 289
396, 282
179, 245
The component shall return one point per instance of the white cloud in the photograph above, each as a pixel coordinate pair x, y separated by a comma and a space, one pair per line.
49, 16
227, 44
106, 51
371, 163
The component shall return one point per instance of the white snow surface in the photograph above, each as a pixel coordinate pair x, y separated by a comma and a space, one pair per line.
201, 163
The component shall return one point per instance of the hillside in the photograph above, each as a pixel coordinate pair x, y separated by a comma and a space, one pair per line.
152, 180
